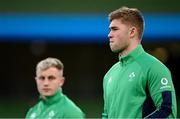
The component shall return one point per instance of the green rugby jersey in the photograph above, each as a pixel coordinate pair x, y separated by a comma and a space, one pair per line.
134, 80
57, 106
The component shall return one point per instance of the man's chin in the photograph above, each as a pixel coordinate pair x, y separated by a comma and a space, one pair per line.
115, 51
47, 94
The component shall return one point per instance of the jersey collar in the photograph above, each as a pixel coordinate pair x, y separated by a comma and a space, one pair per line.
132, 55
53, 99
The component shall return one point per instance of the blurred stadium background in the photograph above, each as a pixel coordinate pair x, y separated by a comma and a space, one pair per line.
75, 31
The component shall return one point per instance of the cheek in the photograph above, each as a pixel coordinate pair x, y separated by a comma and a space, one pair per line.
56, 84
119, 39
38, 83
122, 37
59, 83
119, 35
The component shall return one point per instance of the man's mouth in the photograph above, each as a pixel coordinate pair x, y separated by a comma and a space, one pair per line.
46, 89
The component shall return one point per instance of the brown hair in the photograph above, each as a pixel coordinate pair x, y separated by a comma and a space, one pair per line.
129, 16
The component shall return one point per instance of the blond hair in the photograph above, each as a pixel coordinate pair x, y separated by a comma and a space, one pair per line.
49, 62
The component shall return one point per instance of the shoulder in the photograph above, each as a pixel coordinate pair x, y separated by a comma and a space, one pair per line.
112, 69
71, 109
32, 110
149, 62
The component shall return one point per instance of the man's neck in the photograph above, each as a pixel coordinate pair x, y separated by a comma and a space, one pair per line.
130, 48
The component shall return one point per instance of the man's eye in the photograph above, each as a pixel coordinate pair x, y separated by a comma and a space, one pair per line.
114, 29
51, 77
41, 78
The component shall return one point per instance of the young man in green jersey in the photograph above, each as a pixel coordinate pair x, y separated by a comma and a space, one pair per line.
53, 103
138, 85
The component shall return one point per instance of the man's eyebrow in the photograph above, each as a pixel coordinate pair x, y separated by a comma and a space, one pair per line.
112, 27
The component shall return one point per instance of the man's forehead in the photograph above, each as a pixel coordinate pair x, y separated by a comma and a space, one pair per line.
115, 21
49, 70
113, 25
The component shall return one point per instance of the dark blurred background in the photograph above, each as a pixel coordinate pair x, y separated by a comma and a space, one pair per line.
75, 31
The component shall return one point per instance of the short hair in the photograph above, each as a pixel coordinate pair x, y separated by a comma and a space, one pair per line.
49, 62
129, 16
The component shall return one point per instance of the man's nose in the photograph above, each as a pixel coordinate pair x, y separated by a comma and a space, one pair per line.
110, 35
46, 81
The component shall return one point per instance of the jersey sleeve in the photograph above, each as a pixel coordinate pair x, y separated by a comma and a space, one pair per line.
159, 79
104, 114
162, 91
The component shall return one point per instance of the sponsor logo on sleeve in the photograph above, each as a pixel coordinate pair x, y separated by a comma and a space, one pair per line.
164, 83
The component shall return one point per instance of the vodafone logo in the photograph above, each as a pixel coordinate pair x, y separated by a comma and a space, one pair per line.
164, 81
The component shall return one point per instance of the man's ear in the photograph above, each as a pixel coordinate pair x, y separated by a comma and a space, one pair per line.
62, 80
132, 32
